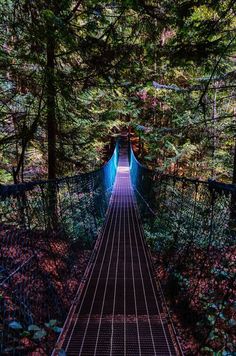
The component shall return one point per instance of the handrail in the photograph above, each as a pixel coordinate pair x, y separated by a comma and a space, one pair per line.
211, 183
16, 270
8, 189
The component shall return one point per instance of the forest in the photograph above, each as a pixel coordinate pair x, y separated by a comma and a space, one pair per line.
73, 75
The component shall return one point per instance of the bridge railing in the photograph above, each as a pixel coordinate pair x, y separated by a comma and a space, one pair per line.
44, 226
190, 227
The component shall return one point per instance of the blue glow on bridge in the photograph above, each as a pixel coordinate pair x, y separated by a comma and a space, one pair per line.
110, 169
134, 167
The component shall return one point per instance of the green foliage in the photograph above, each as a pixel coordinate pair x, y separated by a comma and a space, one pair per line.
104, 55
194, 248
33, 332
15, 325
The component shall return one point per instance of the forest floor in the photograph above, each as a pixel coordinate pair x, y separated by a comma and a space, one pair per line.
185, 334
50, 281
72, 284
204, 316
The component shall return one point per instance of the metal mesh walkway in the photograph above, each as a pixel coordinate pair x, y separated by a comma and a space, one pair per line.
120, 310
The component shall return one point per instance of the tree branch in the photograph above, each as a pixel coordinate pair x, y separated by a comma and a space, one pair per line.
73, 11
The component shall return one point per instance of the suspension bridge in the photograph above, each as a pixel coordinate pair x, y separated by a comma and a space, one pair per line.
117, 307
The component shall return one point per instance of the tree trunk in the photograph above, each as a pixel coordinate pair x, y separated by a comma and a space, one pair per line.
51, 127
234, 172
51, 104
233, 196
213, 132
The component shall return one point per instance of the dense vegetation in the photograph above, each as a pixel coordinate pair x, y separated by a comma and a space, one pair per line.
191, 233
72, 74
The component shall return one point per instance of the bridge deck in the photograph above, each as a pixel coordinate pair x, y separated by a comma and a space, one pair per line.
120, 310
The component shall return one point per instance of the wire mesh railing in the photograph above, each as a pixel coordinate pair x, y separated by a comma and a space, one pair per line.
190, 226
46, 227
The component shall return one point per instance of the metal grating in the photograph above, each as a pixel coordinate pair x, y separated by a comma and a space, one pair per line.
120, 310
